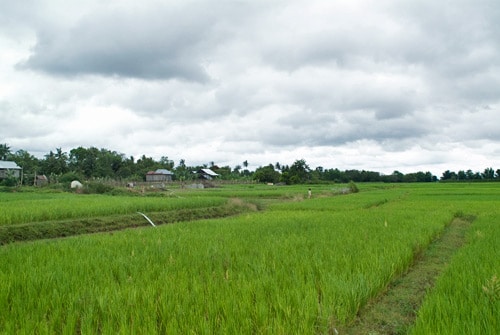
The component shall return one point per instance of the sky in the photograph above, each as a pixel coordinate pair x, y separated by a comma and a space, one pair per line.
378, 85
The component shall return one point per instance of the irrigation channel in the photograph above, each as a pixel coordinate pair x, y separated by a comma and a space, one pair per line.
394, 310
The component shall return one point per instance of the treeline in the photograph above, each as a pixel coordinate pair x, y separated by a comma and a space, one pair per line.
93, 163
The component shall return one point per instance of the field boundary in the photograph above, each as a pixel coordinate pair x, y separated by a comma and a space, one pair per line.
394, 311
71, 227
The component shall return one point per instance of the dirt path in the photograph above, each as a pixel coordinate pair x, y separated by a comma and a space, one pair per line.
394, 311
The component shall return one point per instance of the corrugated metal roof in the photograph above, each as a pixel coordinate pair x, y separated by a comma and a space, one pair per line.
163, 171
9, 165
209, 172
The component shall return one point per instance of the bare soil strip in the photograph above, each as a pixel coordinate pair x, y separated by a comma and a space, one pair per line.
394, 311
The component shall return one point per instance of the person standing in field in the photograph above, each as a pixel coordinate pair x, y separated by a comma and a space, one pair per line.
309, 193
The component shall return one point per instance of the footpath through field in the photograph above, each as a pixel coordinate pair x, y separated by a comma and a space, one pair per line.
394, 311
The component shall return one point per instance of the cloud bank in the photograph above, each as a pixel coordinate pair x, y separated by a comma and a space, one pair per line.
375, 85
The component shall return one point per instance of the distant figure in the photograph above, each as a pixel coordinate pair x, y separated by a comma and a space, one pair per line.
309, 193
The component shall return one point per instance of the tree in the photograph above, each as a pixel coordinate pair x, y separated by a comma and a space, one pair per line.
28, 162
108, 163
299, 172
489, 174
55, 163
84, 161
245, 171
166, 163
145, 164
449, 175
469, 175
4, 151
266, 174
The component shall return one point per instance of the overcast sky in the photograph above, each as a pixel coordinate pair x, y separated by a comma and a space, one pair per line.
379, 85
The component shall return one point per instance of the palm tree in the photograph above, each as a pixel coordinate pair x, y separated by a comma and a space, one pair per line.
4, 151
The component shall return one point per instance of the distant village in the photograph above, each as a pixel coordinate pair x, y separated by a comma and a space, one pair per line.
22, 168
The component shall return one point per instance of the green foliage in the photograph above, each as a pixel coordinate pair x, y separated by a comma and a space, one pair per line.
352, 187
68, 177
298, 172
4, 151
267, 174
9, 181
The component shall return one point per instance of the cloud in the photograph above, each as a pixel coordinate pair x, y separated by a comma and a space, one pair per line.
153, 42
355, 84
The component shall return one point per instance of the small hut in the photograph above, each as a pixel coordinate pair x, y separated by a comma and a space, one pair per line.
158, 176
41, 180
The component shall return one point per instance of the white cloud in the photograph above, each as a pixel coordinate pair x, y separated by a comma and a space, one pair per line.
374, 85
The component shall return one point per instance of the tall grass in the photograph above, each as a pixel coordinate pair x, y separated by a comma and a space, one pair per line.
466, 299
298, 268
59, 206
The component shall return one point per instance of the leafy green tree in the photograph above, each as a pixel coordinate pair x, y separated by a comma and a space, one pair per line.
469, 175
335, 175
84, 160
55, 163
166, 163
318, 174
449, 175
224, 171
29, 163
127, 168
299, 172
183, 172
145, 164
108, 163
489, 174
267, 174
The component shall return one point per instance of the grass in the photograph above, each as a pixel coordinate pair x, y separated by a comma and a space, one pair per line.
466, 290
301, 266
394, 310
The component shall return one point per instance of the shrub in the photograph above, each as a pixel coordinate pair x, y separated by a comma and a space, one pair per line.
97, 188
9, 181
352, 187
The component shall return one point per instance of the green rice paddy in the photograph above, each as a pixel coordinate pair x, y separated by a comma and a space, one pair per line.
300, 266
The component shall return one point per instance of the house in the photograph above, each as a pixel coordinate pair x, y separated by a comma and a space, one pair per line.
8, 168
206, 174
159, 175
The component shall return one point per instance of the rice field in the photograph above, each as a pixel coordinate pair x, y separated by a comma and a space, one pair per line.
33, 207
302, 266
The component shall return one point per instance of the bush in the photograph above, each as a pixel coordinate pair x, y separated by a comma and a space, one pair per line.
96, 188
352, 187
9, 182
69, 177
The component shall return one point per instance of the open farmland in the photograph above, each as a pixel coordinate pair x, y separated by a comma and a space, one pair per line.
301, 266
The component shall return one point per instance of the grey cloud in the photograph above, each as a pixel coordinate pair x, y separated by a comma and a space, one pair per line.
154, 43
